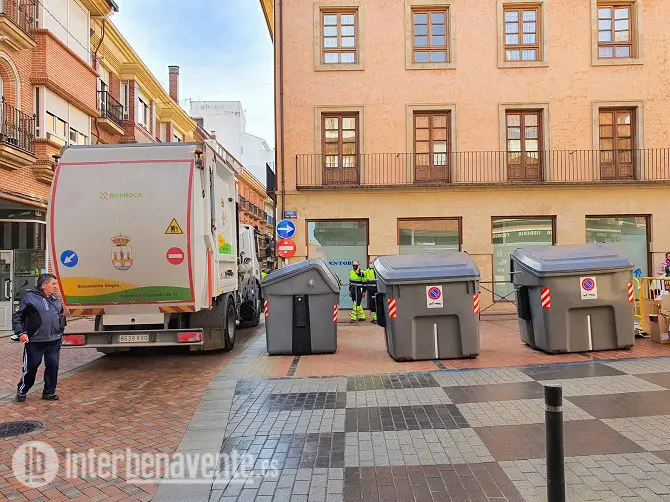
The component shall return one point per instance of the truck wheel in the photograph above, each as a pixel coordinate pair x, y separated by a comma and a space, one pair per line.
230, 325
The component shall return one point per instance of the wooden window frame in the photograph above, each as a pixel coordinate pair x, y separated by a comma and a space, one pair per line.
340, 115
632, 39
339, 50
431, 152
522, 139
459, 220
521, 46
445, 9
615, 137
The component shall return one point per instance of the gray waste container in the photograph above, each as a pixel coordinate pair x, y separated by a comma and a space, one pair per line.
573, 298
427, 305
300, 303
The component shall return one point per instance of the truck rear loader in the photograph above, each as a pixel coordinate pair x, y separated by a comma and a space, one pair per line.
146, 238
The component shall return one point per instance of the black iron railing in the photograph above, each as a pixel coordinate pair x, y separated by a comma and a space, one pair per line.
481, 168
18, 128
23, 13
110, 108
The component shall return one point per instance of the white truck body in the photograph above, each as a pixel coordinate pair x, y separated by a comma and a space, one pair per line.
147, 235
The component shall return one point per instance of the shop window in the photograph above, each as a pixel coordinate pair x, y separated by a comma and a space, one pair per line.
628, 235
426, 236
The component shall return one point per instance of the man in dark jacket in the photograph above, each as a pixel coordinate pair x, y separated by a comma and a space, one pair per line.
39, 322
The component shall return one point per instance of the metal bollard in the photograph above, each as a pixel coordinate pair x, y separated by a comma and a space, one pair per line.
553, 417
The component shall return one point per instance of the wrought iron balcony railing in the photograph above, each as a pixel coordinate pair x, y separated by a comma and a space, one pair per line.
387, 170
18, 128
110, 108
23, 13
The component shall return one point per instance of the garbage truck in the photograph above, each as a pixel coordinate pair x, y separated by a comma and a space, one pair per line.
146, 238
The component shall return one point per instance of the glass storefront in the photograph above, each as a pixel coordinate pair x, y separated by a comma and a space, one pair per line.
429, 235
510, 234
626, 234
339, 244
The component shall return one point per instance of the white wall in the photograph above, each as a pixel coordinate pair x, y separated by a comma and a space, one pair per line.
227, 120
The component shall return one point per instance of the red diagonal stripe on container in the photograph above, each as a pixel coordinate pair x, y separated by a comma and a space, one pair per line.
631, 292
545, 298
475, 304
265, 307
334, 313
393, 313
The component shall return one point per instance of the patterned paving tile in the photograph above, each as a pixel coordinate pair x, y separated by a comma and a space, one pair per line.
292, 401
592, 386
286, 422
397, 397
495, 392
480, 377
651, 433
403, 418
638, 404
554, 372
639, 366
380, 382
516, 412
286, 385
442, 482
582, 437
631, 476
425, 447
662, 379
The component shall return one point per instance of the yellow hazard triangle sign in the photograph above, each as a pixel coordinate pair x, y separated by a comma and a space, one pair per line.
174, 228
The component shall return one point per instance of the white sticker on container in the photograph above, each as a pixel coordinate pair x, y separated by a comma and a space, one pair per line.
589, 288
434, 298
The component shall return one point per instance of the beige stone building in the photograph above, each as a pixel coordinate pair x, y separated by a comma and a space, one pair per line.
411, 126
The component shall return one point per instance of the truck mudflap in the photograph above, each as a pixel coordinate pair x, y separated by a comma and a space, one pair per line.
135, 338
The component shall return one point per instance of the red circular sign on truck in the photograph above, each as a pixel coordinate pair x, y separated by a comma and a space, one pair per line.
286, 248
175, 256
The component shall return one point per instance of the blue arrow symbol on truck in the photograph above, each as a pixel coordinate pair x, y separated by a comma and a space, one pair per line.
69, 258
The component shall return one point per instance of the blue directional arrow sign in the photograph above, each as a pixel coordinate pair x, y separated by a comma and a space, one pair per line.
286, 229
69, 258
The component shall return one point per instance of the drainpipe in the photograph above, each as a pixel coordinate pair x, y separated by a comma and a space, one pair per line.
281, 106
95, 61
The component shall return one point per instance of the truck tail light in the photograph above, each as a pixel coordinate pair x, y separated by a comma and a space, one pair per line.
74, 340
189, 337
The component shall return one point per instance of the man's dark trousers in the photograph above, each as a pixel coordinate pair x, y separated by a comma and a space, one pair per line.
33, 352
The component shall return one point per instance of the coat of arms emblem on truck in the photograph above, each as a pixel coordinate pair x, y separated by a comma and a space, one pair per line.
122, 257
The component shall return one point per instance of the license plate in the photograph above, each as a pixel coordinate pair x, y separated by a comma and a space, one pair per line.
133, 338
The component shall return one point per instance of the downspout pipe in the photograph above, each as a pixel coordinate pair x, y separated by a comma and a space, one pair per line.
95, 60
281, 106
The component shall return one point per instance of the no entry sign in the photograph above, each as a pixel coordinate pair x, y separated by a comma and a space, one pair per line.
175, 256
286, 248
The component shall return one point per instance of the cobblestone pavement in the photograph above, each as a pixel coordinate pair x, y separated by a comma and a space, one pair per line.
358, 426
11, 355
139, 401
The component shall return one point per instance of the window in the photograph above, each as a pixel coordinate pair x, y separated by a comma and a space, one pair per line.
176, 138
340, 147
125, 99
524, 144
432, 148
339, 40
615, 31
629, 235
522, 33
56, 129
77, 138
616, 143
339, 243
38, 112
510, 234
430, 35
142, 112
431, 235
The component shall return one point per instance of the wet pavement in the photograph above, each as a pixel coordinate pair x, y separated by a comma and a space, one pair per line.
358, 426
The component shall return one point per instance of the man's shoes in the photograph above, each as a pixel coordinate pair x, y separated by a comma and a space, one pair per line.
14, 338
20, 397
50, 397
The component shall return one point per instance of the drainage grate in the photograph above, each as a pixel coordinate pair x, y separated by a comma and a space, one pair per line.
9, 429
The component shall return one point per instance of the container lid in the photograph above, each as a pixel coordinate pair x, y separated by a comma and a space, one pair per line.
548, 260
446, 267
301, 267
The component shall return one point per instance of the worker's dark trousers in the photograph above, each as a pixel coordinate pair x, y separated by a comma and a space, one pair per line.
356, 293
372, 304
33, 352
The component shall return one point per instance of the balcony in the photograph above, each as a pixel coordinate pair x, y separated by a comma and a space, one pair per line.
17, 138
110, 113
18, 22
555, 167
